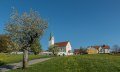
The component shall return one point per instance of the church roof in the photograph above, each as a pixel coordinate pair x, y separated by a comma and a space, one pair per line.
61, 44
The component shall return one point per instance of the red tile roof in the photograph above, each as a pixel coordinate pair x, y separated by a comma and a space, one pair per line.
103, 46
61, 44
106, 46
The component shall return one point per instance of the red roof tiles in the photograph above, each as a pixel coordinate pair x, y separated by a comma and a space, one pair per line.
61, 44
103, 46
106, 46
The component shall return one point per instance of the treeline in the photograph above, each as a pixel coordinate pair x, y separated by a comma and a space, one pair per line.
115, 49
8, 46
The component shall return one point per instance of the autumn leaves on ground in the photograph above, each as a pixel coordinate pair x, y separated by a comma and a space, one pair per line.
80, 63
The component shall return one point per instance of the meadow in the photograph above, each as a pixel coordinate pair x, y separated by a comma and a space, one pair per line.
79, 63
8, 58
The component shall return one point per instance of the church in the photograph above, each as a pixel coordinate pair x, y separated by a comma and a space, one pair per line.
64, 47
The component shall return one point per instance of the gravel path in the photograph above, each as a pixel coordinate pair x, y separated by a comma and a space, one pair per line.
19, 65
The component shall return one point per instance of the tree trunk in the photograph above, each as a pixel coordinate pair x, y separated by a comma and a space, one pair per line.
53, 53
16, 53
25, 59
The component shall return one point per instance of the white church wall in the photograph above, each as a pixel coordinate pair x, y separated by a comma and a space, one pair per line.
68, 47
51, 42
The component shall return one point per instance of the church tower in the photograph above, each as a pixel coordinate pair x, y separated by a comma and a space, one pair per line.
51, 40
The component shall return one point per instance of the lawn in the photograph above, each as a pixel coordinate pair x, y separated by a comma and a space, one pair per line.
8, 58
81, 63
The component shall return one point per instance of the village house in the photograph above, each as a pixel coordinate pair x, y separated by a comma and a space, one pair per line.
98, 49
65, 47
76, 51
92, 50
80, 51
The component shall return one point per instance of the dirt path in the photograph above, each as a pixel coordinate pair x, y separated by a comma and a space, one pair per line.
19, 65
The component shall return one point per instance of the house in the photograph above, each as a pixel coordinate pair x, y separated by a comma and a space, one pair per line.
65, 47
98, 49
104, 49
92, 50
80, 51
76, 51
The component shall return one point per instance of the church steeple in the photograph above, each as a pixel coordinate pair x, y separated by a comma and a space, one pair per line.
50, 36
51, 40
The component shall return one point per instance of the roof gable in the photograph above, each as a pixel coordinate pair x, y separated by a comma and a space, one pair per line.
105, 46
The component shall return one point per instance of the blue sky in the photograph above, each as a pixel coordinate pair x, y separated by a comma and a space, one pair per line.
82, 22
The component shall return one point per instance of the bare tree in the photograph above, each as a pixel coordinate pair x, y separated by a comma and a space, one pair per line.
116, 48
24, 29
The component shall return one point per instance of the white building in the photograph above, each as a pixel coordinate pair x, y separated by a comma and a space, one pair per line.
104, 49
65, 47
98, 49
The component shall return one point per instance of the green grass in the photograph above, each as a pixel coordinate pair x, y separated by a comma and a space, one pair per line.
81, 63
8, 58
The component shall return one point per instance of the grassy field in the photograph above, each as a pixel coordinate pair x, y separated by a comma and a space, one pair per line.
7, 58
81, 63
